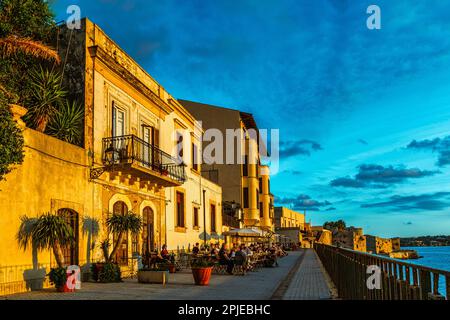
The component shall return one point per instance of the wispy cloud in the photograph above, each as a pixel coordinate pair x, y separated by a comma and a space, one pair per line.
302, 147
302, 202
377, 176
362, 141
433, 202
439, 145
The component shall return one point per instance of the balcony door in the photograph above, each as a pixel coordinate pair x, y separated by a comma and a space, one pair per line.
118, 121
147, 136
120, 145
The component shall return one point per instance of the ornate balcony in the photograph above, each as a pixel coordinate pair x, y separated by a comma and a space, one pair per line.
135, 156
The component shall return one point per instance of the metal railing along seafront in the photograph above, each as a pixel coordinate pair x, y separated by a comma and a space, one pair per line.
399, 280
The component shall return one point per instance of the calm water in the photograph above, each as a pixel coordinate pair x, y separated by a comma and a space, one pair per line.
434, 257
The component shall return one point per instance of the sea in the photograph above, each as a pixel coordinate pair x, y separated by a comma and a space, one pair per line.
433, 257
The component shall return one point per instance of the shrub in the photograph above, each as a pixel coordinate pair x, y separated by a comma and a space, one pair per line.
110, 273
11, 139
58, 276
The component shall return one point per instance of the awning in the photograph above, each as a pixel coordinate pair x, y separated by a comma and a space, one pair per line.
246, 232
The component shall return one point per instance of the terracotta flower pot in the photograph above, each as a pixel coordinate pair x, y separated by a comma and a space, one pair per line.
64, 288
172, 268
202, 275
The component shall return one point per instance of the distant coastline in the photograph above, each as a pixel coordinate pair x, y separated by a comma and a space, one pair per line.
426, 241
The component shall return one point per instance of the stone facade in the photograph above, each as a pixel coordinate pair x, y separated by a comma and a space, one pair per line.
351, 238
379, 245
153, 178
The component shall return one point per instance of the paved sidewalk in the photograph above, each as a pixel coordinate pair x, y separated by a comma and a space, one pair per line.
255, 285
310, 282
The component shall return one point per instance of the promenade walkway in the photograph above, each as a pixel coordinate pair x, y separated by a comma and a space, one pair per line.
310, 281
299, 276
255, 285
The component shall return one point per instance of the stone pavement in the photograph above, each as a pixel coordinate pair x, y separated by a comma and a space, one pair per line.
310, 281
255, 285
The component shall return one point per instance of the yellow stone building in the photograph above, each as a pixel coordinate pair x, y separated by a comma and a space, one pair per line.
244, 183
287, 218
266, 208
138, 155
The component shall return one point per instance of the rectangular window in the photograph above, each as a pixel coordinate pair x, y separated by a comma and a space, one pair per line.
245, 194
260, 184
194, 157
195, 217
180, 209
261, 210
213, 217
245, 167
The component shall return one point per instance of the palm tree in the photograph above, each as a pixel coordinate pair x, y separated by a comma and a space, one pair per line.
120, 225
47, 231
11, 45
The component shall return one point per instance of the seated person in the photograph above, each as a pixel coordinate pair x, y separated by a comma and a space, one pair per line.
215, 250
196, 249
241, 256
247, 250
224, 259
165, 253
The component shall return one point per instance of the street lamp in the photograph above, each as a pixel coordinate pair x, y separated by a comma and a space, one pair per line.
111, 157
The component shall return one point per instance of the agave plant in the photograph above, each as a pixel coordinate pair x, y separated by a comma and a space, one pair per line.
120, 225
67, 123
45, 95
47, 231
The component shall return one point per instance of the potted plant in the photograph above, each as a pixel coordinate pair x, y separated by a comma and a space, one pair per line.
169, 266
159, 274
58, 277
201, 270
51, 232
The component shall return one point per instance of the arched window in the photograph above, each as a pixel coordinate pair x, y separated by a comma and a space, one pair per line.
70, 251
122, 253
148, 241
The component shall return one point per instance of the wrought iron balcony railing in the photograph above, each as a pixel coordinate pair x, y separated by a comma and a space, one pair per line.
130, 149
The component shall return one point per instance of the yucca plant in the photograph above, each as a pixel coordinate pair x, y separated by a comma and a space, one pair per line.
67, 123
46, 94
47, 231
120, 225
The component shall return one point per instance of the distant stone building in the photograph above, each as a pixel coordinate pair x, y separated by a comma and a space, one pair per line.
350, 238
287, 218
322, 235
379, 245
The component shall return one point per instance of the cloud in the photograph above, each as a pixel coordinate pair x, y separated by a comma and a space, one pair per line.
291, 172
377, 176
330, 209
302, 202
301, 147
362, 141
439, 145
408, 223
431, 202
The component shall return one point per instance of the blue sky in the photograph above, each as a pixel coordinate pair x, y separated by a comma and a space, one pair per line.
364, 115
